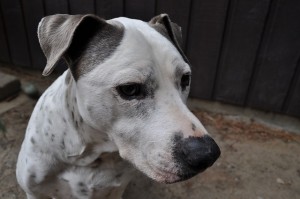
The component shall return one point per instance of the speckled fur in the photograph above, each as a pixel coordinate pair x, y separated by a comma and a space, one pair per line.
81, 130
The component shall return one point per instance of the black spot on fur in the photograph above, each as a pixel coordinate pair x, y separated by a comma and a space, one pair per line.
80, 184
64, 120
32, 140
72, 112
62, 144
84, 192
49, 121
89, 108
193, 127
32, 176
151, 86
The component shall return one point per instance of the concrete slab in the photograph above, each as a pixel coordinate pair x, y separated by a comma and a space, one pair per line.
9, 86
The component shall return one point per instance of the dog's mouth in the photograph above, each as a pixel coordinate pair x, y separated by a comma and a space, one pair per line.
169, 177
164, 176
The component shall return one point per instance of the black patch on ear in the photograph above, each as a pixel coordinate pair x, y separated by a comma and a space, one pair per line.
72, 36
92, 43
32, 140
82, 37
170, 30
193, 127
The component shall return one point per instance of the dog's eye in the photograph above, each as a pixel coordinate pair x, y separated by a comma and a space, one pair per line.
130, 91
185, 81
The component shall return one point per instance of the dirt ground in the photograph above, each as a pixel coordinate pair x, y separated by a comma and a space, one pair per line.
257, 161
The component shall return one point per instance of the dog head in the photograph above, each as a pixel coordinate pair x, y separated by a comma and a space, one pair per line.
132, 82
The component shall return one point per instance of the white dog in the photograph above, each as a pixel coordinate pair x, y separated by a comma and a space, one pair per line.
119, 106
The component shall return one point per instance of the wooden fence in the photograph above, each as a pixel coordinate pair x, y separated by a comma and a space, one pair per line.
243, 52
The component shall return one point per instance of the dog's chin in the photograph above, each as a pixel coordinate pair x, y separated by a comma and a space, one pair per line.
161, 175
170, 178
167, 178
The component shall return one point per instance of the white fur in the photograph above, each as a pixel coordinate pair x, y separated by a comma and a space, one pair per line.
45, 166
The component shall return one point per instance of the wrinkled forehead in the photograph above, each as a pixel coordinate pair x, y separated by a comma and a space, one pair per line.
142, 43
142, 52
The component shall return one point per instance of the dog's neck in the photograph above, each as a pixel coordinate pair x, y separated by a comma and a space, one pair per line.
93, 141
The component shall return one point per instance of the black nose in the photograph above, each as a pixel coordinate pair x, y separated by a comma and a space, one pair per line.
197, 153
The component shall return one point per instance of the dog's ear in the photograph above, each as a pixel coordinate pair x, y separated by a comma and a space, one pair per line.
66, 36
163, 24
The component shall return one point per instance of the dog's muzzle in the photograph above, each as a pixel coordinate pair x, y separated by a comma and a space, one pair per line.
194, 155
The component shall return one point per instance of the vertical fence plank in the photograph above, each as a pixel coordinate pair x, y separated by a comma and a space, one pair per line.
56, 7
178, 12
138, 9
33, 13
81, 6
4, 51
204, 42
292, 102
278, 57
225, 59
109, 8
16, 35
241, 42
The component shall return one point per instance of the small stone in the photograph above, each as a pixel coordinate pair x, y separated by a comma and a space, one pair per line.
280, 181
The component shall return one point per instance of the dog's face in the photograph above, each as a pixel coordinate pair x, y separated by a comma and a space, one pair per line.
132, 82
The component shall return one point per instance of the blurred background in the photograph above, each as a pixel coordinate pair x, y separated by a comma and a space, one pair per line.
245, 89
243, 52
